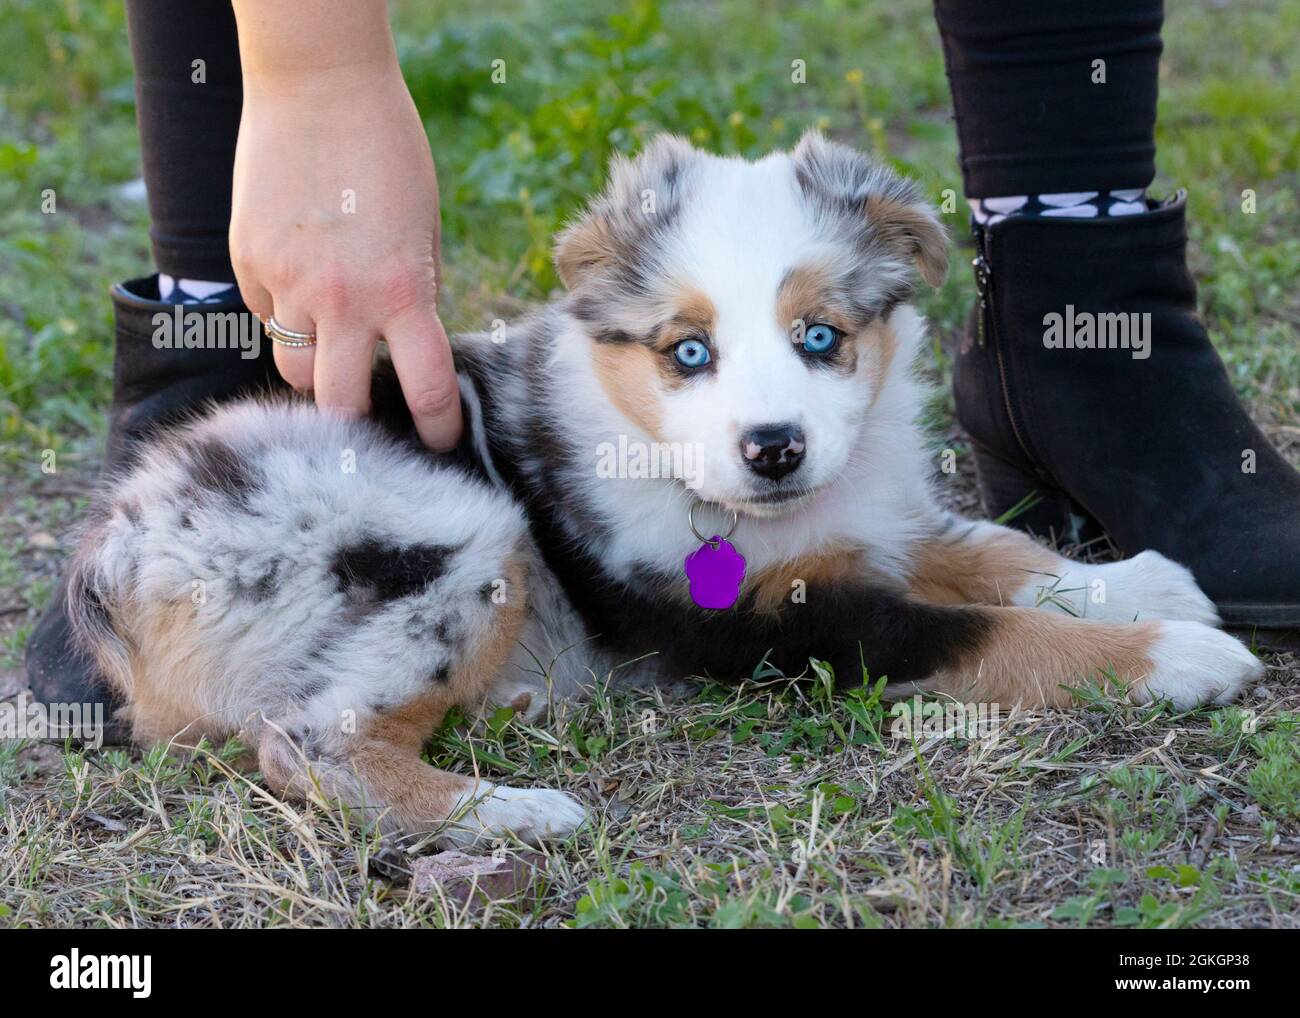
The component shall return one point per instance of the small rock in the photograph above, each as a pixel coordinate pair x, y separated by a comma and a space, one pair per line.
1263, 693
1250, 815
43, 540
461, 877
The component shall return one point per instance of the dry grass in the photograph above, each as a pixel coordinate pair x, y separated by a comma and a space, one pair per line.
766, 805
773, 804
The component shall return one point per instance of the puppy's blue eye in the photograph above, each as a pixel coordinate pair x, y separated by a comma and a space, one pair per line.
692, 353
820, 338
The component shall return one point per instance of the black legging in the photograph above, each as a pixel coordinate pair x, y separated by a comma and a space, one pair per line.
1030, 118
187, 129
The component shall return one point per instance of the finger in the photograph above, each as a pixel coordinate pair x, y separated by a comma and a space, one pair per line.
256, 298
342, 371
296, 364
422, 356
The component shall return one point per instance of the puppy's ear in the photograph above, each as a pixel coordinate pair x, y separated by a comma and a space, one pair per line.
642, 195
583, 247
914, 227
850, 188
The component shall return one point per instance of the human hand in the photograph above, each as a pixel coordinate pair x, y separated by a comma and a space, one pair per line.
334, 230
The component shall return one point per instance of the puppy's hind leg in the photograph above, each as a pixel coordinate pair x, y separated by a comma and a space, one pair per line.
385, 780
375, 765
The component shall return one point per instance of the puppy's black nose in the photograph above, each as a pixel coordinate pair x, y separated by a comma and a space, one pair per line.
773, 450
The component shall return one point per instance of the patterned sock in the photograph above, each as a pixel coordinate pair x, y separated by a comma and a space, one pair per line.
195, 291
1129, 201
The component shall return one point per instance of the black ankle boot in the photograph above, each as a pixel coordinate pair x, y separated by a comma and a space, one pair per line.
1154, 450
153, 386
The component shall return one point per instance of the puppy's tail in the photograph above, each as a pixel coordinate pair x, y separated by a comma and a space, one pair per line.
95, 599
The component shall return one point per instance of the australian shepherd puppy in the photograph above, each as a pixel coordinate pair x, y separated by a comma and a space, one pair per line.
330, 590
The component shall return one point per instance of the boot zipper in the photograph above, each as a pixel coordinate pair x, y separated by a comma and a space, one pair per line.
982, 273
987, 330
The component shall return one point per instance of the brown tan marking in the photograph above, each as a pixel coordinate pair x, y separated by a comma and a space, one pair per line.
381, 772
168, 667
693, 313
984, 567
632, 376
1032, 657
772, 587
880, 344
168, 676
808, 295
616, 225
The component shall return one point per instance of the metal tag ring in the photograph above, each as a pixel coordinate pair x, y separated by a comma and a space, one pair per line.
690, 518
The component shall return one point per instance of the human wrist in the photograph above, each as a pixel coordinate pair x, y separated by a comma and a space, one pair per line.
291, 47
344, 82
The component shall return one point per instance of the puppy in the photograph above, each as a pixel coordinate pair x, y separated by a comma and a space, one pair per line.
702, 455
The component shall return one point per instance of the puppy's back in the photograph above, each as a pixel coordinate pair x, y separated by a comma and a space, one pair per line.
265, 559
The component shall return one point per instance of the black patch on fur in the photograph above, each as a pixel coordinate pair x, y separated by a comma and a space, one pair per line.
441, 674
379, 571
549, 491
446, 629
268, 583
487, 592
559, 458
214, 467
849, 625
261, 589
390, 412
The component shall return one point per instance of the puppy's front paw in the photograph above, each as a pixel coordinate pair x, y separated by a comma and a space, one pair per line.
1166, 590
1194, 664
530, 814
1146, 586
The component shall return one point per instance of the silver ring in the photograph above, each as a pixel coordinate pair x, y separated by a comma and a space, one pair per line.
690, 518
286, 337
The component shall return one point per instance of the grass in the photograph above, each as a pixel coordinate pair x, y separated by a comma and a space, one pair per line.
771, 805
712, 814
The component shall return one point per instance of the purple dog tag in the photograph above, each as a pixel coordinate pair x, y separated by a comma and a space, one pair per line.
715, 570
